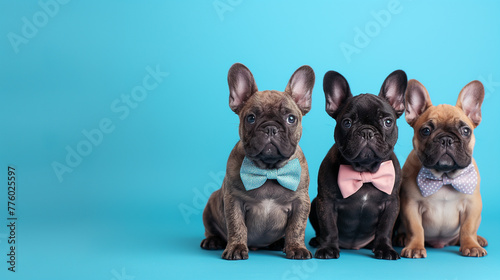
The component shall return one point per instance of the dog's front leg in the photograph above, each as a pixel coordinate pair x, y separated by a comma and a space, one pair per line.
236, 248
412, 221
382, 244
469, 224
328, 231
295, 230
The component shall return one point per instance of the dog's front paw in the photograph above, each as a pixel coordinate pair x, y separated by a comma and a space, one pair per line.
297, 253
213, 243
327, 253
414, 252
235, 252
473, 251
386, 253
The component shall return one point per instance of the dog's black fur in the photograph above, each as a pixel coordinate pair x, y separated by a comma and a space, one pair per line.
365, 135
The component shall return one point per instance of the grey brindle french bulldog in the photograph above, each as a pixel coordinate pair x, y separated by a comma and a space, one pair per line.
363, 213
268, 216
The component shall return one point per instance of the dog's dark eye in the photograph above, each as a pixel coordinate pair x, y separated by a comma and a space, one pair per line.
347, 123
388, 123
251, 118
425, 131
291, 119
466, 131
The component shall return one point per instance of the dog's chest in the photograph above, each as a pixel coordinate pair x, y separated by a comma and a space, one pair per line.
359, 216
441, 213
268, 201
266, 209
266, 215
366, 199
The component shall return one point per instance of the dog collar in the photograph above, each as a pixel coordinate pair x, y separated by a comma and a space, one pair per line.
253, 177
350, 181
429, 184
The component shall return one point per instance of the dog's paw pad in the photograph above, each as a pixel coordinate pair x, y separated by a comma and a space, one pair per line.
473, 252
298, 253
327, 253
235, 252
386, 254
414, 253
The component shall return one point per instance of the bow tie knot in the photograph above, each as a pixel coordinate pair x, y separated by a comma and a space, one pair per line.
272, 174
350, 181
366, 177
254, 177
446, 180
465, 182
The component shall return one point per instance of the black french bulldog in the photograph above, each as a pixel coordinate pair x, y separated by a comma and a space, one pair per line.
359, 179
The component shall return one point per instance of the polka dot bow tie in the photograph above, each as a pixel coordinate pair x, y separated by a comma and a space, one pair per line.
287, 176
429, 184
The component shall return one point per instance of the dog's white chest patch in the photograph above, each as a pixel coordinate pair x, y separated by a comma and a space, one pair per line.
266, 222
441, 215
267, 206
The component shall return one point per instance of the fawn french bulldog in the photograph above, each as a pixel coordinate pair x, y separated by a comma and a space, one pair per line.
440, 200
359, 179
264, 200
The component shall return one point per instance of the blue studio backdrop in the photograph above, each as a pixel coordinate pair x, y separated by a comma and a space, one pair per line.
116, 126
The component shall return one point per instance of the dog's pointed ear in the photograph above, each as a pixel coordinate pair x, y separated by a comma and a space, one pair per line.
417, 100
393, 90
300, 87
337, 92
470, 100
241, 86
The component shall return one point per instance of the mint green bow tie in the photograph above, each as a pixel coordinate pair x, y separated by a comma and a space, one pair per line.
253, 177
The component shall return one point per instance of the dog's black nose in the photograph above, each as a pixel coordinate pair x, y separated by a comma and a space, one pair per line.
367, 134
271, 130
446, 141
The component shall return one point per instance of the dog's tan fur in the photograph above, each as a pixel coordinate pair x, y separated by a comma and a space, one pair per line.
447, 217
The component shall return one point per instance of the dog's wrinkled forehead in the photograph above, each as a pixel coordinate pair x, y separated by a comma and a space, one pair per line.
446, 115
369, 107
271, 102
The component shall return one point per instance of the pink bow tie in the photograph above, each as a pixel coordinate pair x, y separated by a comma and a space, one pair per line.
350, 181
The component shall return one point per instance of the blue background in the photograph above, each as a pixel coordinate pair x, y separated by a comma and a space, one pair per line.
131, 206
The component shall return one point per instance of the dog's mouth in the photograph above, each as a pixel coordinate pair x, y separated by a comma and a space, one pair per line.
445, 163
363, 152
269, 150
365, 160
270, 156
270, 153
